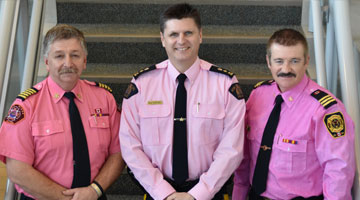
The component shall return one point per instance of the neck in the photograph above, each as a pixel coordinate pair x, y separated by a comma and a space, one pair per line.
183, 66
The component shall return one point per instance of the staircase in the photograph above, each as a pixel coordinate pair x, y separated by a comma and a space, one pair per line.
123, 37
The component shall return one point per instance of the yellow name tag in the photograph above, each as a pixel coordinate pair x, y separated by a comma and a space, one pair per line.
154, 102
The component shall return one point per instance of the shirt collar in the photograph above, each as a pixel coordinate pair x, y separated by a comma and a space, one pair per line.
293, 94
57, 92
190, 73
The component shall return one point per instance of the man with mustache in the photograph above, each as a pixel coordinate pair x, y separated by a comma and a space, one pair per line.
182, 121
300, 140
60, 140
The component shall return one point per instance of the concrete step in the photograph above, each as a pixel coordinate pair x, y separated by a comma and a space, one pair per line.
125, 197
148, 13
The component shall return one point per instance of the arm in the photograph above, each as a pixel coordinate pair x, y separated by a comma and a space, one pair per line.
33, 181
336, 154
113, 165
149, 176
229, 152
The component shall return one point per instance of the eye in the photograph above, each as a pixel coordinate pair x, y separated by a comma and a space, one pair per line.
174, 35
59, 56
75, 55
295, 61
188, 33
279, 61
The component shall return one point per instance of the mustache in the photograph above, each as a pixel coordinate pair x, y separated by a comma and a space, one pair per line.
68, 70
286, 74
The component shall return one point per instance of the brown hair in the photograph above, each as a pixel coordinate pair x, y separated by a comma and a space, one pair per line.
61, 32
287, 37
180, 11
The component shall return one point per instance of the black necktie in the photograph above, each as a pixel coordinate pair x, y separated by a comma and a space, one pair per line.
180, 159
82, 172
263, 159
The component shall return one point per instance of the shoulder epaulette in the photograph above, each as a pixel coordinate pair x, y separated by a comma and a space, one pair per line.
102, 85
24, 95
142, 71
324, 98
222, 71
261, 83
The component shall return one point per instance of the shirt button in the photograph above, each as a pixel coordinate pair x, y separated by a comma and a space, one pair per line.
103, 124
288, 149
47, 131
209, 113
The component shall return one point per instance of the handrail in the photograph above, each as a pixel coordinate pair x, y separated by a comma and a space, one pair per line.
6, 20
32, 45
350, 95
319, 43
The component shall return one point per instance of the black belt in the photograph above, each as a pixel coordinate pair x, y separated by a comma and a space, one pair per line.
24, 197
254, 196
184, 187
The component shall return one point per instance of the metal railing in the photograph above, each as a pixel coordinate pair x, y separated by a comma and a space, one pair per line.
11, 38
339, 56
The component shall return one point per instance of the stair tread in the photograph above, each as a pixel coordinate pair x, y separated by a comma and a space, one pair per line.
151, 33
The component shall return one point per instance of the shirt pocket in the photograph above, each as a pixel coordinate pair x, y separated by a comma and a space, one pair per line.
101, 127
287, 157
154, 119
48, 134
208, 123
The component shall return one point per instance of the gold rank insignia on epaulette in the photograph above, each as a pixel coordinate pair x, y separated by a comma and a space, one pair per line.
261, 83
102, 85
24, 95
222, 71
142, 71
325, 99
335, 124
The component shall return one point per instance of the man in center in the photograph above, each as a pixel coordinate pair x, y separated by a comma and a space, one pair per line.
182, 119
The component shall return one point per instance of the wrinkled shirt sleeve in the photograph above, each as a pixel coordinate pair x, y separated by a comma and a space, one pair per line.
149, 176
229, 152
336, 155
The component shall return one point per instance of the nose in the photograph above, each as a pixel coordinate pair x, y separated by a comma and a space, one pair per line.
68, 61
286, 67
181, 38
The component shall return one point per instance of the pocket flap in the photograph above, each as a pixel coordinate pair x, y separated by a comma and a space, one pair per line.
300, 146
99, 122
47, 128
212, 111
148, 111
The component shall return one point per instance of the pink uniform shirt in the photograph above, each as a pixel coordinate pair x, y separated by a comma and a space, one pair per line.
41, 136
308, 158
215, 124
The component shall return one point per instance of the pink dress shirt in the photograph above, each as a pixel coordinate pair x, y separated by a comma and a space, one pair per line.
215, 124
306, 159
43, 137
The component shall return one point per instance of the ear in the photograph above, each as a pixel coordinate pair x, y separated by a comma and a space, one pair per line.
46, 61
268, 61
162, 39
85, 61
307, 61
200, 35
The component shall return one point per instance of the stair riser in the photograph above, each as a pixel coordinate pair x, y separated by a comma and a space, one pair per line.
149, 14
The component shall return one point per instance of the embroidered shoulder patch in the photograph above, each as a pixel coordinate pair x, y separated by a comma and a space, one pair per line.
236, 91
24, 95
102, 85
16, 113
261, 83
325, 99
335, 124
130, 91
222, 71
142, 71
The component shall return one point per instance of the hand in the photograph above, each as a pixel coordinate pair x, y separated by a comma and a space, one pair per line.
180, 196
82, 193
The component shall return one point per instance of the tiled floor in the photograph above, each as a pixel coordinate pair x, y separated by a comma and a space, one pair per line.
3, 179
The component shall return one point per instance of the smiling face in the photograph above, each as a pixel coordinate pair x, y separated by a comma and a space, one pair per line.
287, 65
181, 39
65, 62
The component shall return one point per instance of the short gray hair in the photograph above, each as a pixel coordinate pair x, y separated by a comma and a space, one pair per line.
61, 32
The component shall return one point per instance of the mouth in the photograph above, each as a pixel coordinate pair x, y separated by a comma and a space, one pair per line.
182, 49
286, 75
68, 71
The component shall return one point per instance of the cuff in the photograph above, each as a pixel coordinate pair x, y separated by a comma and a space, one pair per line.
163, 190
199, 191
